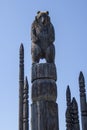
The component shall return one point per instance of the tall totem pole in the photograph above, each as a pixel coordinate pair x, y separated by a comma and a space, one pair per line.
44, 109
21, 85
83, 102
23, 94
72, 118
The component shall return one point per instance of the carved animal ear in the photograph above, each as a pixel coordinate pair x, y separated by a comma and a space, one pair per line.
36, 18
38, 12
47, 12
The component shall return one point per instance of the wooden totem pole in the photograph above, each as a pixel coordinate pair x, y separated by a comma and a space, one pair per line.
21, 85
23, 94
72, 118
44, 109
83, 102
68, 110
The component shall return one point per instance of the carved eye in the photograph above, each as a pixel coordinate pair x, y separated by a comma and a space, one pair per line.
47, 12
38, 12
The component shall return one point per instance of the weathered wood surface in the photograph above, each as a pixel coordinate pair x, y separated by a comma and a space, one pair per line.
83, 102
44, 89
44, 116
68, 119
42, 36
21, 85
68, 110
75, 116
44, 109
25, 106
43, 71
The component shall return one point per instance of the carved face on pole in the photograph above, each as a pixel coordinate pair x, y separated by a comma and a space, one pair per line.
42, 36
43, 18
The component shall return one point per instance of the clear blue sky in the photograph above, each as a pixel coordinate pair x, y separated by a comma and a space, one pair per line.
69, 18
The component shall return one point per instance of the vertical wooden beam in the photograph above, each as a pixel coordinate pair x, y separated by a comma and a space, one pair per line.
44, 109
25, 106
68, 96
83, 103
68, 110
21, 85
75, 117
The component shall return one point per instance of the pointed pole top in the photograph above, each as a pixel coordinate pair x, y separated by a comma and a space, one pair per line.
21, 48
68, 93
75, 115
68, 96
81, 77
74, 103
81, 82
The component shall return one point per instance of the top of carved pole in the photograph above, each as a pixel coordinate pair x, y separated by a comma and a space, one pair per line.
42, 36
82, 84
81, 78
21, 85
21, 51
68, 96
75, 115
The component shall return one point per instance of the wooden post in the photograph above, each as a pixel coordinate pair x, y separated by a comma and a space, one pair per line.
25, 106
68, 110
44, 108
83, 103
21, 86
75, 117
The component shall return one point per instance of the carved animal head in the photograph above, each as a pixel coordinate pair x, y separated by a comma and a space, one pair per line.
43, 18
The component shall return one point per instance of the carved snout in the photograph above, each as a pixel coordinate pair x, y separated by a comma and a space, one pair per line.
43, 20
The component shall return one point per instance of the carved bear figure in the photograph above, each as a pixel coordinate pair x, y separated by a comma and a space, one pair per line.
42, 36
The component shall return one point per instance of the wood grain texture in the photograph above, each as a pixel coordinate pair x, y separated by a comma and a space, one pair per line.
44, 116
43, 71
44, 109
44, 89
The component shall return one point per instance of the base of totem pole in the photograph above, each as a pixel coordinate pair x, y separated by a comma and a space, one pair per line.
44, 115
44, 109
